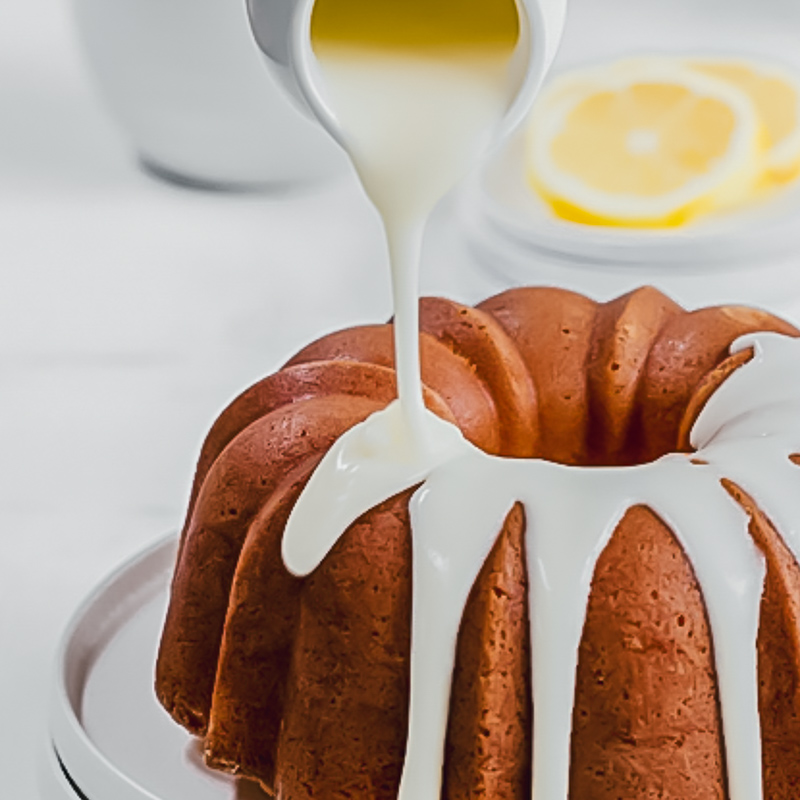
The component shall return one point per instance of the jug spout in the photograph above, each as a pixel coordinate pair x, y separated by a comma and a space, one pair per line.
282, 29
275, 25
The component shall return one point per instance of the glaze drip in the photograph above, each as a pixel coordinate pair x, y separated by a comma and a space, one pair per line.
465, 495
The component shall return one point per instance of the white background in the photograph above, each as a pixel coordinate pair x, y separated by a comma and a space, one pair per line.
131, 311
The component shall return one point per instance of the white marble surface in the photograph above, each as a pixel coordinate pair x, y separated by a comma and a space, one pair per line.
131, 311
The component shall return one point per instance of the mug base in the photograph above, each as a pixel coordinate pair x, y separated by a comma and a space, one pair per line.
167, 174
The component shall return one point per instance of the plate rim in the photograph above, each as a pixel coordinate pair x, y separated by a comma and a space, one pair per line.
90, 770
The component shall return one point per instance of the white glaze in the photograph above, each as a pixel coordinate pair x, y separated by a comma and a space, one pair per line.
414, 124
458, 511
361, 470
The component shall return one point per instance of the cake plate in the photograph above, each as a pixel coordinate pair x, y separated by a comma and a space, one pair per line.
108, 738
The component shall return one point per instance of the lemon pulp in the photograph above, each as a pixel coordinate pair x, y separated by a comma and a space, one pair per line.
658, 141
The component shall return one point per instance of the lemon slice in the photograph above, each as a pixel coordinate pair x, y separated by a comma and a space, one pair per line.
642, 143
775, 91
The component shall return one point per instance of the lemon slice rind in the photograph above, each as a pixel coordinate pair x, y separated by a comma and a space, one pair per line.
782, 160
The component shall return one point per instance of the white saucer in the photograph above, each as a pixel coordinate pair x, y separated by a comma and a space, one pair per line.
109, 739
746, 256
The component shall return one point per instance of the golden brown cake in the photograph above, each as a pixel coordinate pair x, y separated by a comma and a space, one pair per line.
302, 683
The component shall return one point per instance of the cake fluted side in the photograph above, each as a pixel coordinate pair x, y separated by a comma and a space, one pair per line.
778, 648
646, 716
244, 478
488, 743
250, 654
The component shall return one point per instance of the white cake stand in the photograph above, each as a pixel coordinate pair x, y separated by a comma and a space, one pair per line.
108, 738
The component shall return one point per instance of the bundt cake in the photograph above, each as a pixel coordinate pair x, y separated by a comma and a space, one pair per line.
628, 487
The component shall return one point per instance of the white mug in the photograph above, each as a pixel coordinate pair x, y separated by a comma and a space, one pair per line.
189, 88
282, 29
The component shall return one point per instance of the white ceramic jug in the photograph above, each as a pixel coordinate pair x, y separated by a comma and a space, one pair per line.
187, 85
282, 29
